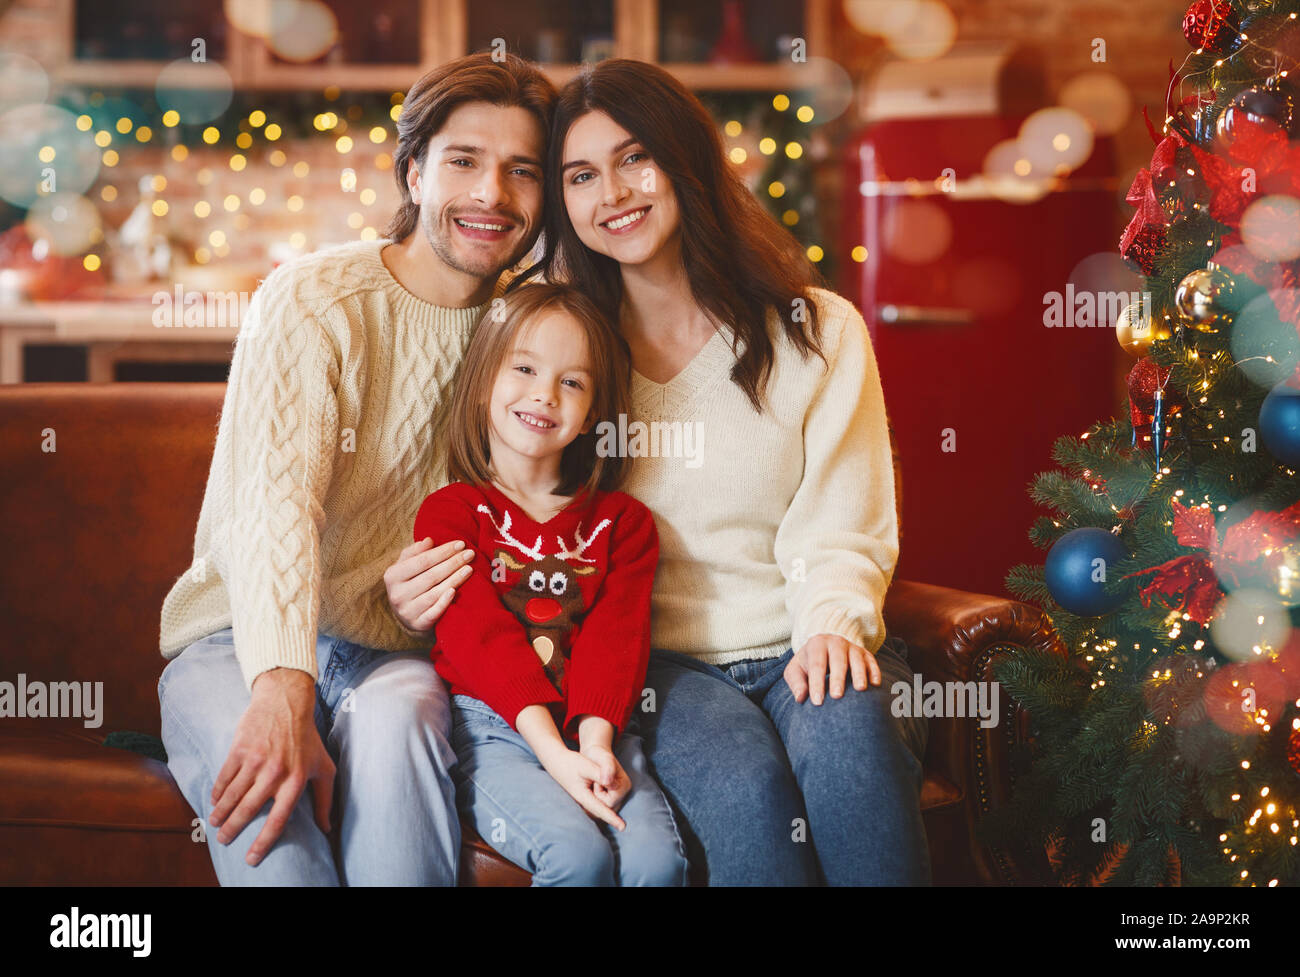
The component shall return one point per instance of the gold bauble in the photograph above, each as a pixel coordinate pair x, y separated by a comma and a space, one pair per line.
1136, 332
1203, 298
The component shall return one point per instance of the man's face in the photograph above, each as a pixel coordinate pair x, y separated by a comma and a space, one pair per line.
480, 187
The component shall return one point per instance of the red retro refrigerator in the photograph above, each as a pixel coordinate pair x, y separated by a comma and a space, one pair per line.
953, 290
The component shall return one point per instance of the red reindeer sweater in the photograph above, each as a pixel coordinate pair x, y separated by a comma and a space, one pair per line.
556, 613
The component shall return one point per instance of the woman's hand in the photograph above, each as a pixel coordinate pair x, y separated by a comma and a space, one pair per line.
829, 653
424, 580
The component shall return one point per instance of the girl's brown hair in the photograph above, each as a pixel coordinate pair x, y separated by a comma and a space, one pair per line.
473, 78
465, 423
739, 260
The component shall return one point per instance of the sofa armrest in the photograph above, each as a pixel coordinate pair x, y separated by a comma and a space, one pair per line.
955, 636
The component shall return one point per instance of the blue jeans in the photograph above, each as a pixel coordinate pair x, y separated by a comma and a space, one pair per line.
523, 813
384, 719
770, 791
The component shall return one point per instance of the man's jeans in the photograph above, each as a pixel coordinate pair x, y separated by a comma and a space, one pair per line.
384, 718
771, 791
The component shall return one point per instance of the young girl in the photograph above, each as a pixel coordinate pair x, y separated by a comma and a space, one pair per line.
547, 642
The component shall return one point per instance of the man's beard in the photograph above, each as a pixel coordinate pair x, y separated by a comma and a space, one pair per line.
440, 241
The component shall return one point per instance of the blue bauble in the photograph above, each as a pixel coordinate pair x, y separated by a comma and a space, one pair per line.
1279, 424
1070, 571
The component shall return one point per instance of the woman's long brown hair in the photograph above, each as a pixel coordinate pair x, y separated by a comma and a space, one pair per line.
741, 263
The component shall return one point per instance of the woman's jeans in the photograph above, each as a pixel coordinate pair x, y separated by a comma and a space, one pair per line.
771, 791
384, 718
522, 812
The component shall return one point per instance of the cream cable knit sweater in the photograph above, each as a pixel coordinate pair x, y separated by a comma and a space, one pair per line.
784, 526
323, 456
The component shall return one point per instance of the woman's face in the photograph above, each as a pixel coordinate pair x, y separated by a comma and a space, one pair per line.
618, 199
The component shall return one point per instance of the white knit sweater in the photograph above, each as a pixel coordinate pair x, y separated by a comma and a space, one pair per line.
784, 527
323, 456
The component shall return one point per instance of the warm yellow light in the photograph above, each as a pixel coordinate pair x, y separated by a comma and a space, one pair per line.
84, 122
294, 203
355, 220
217, 238
256, 118
102, 138
277, 157
815, 253
767, 146
231, 202
171, 118
859, 253
395, 112
124, 125
238, 162
383, 162
272, 132
202, 256
790, 218
805, 113
367, 197
180, 153
781, 103
793, 150
243, 140
378, 134
776, 188
159, 183
160, 208
90, 262
110, 157
202, 209
733, 128
46, 155
143, 134
257, 196
297, 239
369, 234
343, 144
108, 193
738, 155
301, 169
211, 134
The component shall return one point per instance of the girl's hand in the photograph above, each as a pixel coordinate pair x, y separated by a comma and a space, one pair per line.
613, 785
824, 653
579, 776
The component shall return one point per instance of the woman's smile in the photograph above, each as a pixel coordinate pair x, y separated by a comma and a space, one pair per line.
625, 222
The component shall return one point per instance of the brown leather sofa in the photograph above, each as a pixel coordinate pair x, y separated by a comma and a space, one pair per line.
94, 533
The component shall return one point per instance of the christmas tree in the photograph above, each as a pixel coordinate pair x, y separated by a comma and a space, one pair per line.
1165, 741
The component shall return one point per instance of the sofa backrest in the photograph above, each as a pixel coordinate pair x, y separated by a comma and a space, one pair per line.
94, 532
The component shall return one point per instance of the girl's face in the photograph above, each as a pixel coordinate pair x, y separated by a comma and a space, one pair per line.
542, 397
620, 202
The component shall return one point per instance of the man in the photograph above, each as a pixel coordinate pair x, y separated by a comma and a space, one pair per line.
289, 666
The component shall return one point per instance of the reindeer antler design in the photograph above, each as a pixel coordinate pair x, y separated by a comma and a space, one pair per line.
503, 528
565, 553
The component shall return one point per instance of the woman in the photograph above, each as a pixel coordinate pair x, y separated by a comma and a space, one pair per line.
771, 483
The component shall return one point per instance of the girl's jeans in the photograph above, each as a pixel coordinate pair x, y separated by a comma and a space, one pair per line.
522, 812
383, 717
770, 791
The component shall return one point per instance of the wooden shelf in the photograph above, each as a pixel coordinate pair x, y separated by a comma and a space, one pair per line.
443, 27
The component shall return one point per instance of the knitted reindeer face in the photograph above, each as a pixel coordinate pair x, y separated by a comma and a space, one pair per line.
546, 599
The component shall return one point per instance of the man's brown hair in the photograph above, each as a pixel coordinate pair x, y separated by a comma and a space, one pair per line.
474, 78
465, 422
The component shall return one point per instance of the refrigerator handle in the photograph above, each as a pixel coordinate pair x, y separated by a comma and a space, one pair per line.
919, 315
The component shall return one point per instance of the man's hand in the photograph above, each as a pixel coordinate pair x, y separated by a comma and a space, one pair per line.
424, 580
277, 751
822, 653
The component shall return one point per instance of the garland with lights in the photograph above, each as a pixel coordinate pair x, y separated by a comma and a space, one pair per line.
1166, 741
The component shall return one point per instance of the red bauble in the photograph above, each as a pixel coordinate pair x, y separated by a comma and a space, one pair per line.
1211, 25
1254, 114
1293, 750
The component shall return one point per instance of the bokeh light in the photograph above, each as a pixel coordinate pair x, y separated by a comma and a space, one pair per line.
196, 91
24, 132
1101, 98
68, 222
